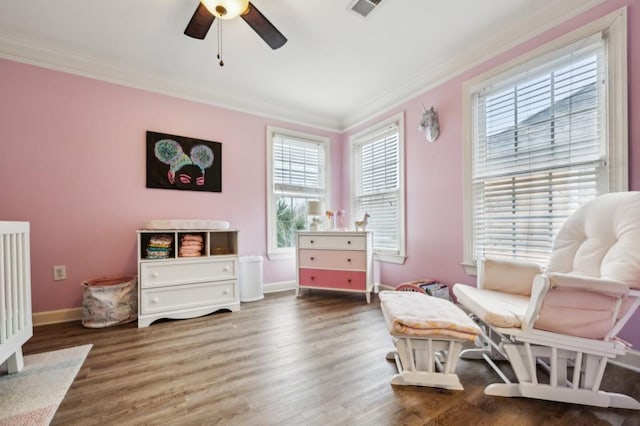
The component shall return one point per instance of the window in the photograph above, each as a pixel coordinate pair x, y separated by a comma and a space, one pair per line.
297, 172
541, 142
377, 164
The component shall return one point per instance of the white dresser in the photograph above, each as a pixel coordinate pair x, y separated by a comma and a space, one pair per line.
335, 260
179, 281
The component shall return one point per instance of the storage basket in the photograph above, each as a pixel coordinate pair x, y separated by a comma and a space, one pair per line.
109, 301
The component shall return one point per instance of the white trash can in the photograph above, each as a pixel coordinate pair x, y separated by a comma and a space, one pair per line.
251, 286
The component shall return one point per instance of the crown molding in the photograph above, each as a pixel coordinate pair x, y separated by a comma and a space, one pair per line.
46, 56
476, 54
43, 54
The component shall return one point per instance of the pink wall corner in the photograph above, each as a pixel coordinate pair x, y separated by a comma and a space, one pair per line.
73, 165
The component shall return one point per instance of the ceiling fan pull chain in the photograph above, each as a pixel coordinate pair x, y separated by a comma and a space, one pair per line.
221, 63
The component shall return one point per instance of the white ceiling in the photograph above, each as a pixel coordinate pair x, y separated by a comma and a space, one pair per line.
336, 69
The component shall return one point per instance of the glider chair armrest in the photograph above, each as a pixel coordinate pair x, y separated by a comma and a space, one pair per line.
596, 285
508, 276
575, 305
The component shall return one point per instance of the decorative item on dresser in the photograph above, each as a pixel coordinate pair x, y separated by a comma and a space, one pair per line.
185, 273
315, 209
339, 260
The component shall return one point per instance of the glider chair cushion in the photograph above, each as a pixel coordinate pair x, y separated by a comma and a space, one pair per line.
508, 276
502, 296
595, 261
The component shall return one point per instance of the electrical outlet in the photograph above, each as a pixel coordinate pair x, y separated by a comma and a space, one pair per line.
59, 273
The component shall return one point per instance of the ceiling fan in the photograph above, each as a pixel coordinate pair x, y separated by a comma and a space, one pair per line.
208, 10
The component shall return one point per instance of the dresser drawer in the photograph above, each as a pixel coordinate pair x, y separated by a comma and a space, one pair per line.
159, 274
332, 259
337, 242
175, 298
324, 278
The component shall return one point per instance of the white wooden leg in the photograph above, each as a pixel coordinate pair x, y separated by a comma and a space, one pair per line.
15, 363
517, 363
417, 365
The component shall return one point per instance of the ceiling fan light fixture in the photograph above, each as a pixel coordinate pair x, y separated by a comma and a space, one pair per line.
226, 9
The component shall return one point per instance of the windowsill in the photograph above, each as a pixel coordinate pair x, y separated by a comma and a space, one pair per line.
281, 256
470, 268
391, 258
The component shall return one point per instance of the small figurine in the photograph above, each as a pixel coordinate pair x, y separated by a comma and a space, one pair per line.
361, 225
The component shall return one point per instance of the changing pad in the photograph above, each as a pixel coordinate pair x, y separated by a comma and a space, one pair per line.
185, 224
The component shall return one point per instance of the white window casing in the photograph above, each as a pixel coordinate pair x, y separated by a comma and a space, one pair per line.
297, 171
377, 185
542, 134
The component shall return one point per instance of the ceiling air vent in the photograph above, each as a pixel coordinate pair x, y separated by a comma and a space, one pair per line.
363, 7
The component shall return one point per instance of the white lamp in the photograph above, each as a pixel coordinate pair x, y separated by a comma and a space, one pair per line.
226, 9
315, 208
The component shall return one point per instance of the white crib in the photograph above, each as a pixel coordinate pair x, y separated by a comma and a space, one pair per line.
16, 326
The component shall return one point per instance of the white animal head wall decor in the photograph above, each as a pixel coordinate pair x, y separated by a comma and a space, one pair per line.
429, 124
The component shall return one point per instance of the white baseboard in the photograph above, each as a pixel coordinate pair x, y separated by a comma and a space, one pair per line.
55, 317
381, 287
291, 285
75, 314
279, 286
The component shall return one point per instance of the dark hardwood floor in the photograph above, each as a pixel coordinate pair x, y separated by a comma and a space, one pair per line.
314, 360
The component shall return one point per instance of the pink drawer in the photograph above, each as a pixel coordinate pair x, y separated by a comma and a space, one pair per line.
332, 259
324, 278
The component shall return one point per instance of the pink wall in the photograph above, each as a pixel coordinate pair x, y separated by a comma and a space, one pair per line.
434, 170
73, 164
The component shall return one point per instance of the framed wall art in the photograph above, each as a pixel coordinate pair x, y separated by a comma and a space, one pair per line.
178, 162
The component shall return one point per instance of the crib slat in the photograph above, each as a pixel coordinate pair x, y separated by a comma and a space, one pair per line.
20, 259
3, 297
15, 308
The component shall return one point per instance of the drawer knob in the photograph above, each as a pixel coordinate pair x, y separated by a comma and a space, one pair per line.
312, 258
155, 300
311, 241
349, 242
313, 278
226, 269
349, 280
226, 291
155, 274
348, 260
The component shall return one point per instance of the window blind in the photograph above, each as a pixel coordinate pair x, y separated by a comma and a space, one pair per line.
298, 165
538, 153
298, 174
378, 184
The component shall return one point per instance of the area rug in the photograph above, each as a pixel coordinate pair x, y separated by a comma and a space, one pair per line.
32, 396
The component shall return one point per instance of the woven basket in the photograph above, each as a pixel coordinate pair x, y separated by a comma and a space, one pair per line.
109, 301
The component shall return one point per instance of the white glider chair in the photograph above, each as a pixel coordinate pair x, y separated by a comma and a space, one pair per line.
563, 321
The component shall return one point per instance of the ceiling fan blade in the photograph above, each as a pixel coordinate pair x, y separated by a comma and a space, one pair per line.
263, 27
200, 22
